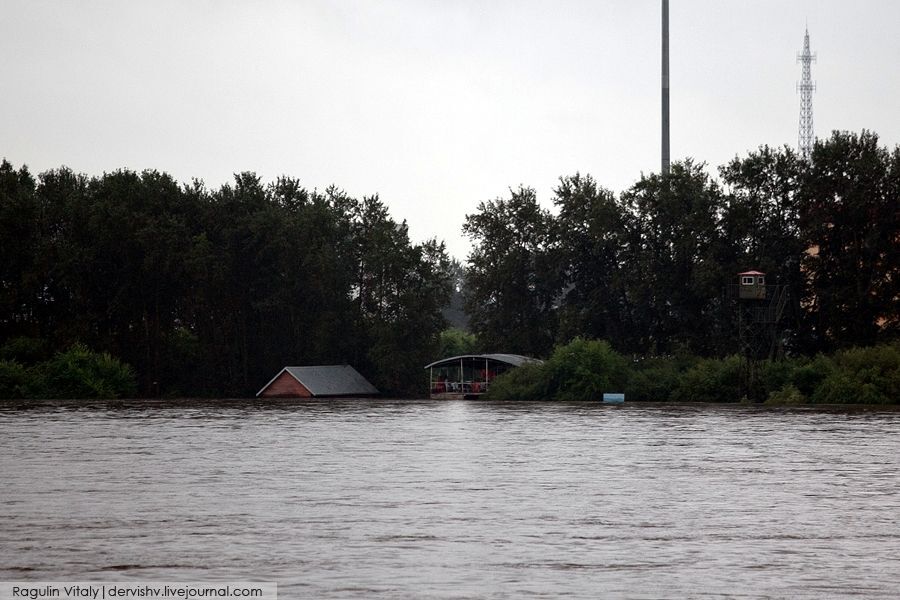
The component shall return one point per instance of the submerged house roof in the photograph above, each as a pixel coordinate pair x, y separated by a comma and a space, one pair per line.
516, 360
316, 381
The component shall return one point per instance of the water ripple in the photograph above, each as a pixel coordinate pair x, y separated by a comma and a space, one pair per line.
369, 499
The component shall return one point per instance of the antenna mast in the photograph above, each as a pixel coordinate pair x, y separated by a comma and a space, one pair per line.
806, 87
665, 87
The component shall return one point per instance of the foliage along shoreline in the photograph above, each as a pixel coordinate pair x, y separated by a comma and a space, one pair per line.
209, 292
585, 369
580, 371
206, 293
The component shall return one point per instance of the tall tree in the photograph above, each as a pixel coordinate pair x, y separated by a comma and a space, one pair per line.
850, 222
512, 279
761, 225
673, 281
401, 289
20, 279
590, 235
63, 306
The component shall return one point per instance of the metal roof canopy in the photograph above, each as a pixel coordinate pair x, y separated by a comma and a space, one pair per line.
517, 360
328, 380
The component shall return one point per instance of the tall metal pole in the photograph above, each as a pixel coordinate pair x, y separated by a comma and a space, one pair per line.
665, 87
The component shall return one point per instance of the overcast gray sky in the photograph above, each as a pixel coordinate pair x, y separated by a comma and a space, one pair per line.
433, 105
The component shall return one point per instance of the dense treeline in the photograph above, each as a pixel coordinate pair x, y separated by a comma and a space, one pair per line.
212, 291
647, 269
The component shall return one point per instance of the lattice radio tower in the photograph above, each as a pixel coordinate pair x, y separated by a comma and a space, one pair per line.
806, 87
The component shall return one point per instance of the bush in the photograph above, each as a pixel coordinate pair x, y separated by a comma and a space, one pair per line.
775, 375
841, 388
80, 373
13, 380
810, 374
651, 380
526, 383
26, 351
862, 376
788, 395
710, 380
579, 370
584, 370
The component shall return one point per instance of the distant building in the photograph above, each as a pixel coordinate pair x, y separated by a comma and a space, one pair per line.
317, 382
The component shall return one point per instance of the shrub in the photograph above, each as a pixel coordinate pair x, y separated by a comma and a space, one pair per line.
788, 395
26, 351
80, 373
810, 374
13, 380
651, 380
841, 388
528, 382
584, 370
710, 380
579, 370
775, 375
862, 376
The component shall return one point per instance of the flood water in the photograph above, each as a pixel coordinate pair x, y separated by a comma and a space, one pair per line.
377, 499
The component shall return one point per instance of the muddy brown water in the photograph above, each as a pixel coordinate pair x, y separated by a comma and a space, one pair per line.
463, 499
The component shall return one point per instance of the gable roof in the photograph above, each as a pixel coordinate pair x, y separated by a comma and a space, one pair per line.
328, 380
517, 360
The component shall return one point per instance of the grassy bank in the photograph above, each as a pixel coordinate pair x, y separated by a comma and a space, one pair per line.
585, 369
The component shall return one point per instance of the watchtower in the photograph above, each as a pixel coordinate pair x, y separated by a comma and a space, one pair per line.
753, 285
760, 312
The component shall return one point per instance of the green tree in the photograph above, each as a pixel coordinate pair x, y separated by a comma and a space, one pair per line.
513, 280
20, 282
80, 373
761, 218
455, 311
850, 222
400, 290
761, 225
590, 235
456, 342
672, 278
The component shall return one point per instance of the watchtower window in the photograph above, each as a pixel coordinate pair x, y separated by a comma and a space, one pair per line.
760, 280
746, 280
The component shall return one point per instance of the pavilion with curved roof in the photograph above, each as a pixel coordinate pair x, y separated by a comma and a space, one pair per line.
470, 375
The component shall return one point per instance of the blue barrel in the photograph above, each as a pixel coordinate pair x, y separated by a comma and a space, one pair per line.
613, 398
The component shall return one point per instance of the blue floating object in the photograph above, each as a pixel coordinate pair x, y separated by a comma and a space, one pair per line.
613, 398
